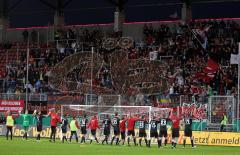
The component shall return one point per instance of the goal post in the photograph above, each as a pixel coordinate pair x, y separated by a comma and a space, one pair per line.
219, 105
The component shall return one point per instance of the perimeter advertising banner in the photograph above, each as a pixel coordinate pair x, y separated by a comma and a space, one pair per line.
12, 105
215, 138
200, 138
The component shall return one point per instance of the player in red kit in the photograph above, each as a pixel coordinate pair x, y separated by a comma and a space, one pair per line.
123, 129
131, 129
175, 118
55, 119
93, 126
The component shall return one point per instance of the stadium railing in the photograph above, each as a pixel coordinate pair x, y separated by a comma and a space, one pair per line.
22, 96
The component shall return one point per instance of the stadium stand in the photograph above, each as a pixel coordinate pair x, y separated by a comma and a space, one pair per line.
186, 73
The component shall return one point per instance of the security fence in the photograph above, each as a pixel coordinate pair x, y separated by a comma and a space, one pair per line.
209, 110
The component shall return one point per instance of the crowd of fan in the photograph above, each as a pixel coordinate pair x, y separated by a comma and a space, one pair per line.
41, 59
186, 59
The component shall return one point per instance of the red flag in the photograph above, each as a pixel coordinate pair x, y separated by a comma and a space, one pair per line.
209, 71
204, 76
211, 67
212, 64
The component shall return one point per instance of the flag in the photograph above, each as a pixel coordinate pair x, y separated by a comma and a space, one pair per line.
211, 68
174, 15
212, 65
201, 35
165, 101
206, 77
234, 59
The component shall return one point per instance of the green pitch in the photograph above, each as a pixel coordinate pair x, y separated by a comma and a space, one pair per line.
31, 147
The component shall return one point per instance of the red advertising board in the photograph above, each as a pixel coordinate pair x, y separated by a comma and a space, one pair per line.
12, 105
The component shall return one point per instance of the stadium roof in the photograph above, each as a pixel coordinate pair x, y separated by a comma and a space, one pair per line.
34, 13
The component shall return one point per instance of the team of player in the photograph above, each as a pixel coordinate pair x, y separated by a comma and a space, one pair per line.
118, 125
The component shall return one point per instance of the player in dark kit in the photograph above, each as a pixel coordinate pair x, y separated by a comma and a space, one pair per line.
83, 125
175, 127
163, 129
188, 131
39, 119
107, 128
116, 128
142, 130
64, 127
153, 131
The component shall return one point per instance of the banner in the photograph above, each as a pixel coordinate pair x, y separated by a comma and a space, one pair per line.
199, 111
18, 131
12, 105
200, 137
214, 138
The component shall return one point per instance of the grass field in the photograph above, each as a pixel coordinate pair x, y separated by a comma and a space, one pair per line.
31, 147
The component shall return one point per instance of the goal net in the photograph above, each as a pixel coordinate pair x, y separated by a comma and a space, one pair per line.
219, 105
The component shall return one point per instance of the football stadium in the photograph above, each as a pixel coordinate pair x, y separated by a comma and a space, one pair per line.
119, 77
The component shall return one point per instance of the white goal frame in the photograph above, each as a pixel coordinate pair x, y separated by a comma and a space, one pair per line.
234, 108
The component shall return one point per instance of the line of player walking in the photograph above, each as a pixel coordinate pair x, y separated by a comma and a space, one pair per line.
119, 125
